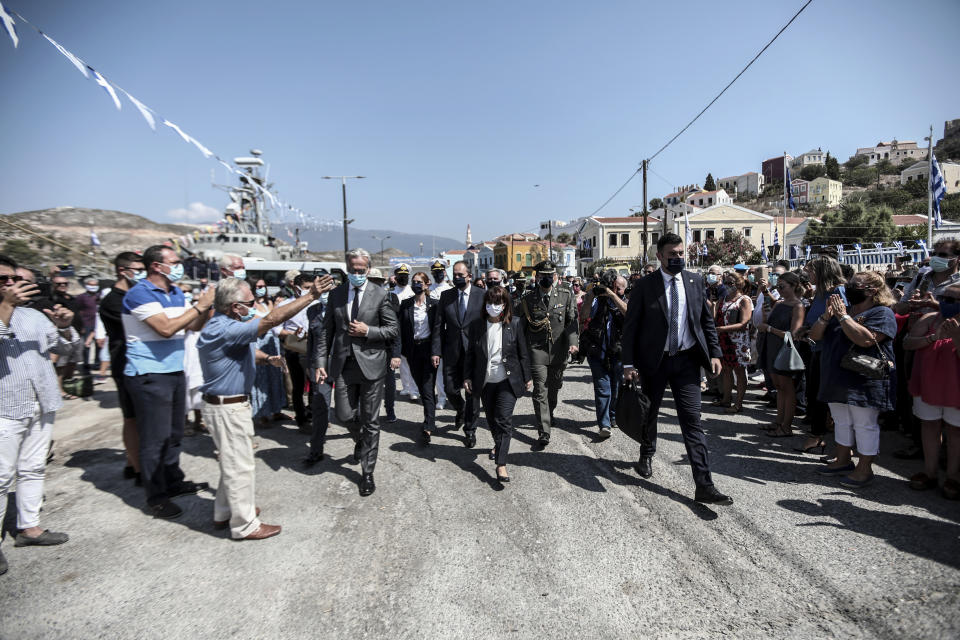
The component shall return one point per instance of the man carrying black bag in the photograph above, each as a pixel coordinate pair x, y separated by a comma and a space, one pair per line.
668, 335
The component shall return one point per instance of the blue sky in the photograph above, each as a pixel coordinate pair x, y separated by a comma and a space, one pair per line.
454, 111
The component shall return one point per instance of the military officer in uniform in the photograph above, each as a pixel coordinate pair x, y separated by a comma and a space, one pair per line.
548, 317
438, 271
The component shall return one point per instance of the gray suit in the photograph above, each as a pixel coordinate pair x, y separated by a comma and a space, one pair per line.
358, 365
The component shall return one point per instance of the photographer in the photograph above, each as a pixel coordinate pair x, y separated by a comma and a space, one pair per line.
602, 317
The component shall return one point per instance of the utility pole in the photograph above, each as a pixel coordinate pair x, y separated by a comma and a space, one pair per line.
343, 182
645, 246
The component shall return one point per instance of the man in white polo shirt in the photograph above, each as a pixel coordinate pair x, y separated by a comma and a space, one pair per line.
155, 315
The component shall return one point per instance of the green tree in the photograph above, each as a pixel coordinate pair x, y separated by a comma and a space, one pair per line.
853, 222
860, 176
856, 161
812, 171
563, 238
832, 167
20, 251
709, 184
656, 203
916, 188
730, 249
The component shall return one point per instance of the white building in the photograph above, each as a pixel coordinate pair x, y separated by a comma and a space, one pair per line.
485, 256
705, 199
748, 183
814, 156
895, 151
921, 171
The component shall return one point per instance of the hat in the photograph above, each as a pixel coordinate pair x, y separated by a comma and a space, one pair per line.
740, 267
546, 266
438, 265
402, 269
375, 274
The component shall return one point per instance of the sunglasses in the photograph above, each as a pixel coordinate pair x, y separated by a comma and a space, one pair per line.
248, 303
60, 284
6, 279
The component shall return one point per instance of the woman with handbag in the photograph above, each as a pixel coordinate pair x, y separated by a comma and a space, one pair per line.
935, 387
784, 321
497, 363
857, 372
268, 394
734, 314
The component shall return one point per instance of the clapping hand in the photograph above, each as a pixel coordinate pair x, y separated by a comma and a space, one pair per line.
19, 293
205, 301
60, 316
835, 306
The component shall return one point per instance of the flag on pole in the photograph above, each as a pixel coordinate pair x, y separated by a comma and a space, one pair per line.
878, 245
94, 240
776, 237
938, 188
808, 253
8, 24
689, 234
703, 249
788, 191
840, 252
763, 248
923, 245
793, 252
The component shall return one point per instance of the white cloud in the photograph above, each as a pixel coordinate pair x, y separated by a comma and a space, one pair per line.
195, 212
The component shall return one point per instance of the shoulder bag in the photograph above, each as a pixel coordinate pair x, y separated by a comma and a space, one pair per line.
788, 359
867, 366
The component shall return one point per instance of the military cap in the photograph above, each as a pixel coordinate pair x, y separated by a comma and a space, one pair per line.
438, 265
402, 269
546, 266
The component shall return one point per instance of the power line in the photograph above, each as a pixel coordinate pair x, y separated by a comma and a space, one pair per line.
615, 193
742, 71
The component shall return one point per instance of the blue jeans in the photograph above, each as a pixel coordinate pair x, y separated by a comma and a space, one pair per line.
606, 386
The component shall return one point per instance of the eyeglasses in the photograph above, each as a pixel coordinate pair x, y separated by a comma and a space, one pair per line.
60, 284
6, 279
248, 303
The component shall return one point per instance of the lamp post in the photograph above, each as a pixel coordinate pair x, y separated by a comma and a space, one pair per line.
343, 182
381, 245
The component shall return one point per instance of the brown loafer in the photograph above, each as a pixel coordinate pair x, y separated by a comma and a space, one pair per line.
922, 482
265, 531
223, 524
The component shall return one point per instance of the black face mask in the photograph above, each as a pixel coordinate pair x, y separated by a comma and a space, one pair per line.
675, 265
856, 296
546, 281
439, 276
417, 287
459, 282
403, 280
492, 283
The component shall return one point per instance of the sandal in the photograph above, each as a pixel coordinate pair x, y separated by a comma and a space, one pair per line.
922, 482
70, 396
733, 409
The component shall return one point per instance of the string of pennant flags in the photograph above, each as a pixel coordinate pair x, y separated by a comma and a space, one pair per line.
151, 116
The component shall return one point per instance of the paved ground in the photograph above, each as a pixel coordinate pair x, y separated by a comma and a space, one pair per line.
577, 546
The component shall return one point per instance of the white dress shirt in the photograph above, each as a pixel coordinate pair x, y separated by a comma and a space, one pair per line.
403, 293
685, 338
350, 294
439, 287
495, 369
421, 328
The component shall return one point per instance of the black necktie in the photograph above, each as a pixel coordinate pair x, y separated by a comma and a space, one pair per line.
674, 337
355, 308
462, 309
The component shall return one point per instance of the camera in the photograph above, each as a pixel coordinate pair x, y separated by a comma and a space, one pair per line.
607, 279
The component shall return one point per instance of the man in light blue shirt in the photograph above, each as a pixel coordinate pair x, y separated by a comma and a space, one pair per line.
228, 357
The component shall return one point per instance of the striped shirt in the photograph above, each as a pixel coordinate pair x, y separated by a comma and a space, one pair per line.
147, 350
27, 376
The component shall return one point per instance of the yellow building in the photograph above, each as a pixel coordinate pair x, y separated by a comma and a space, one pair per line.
519, 255
716, 221
825, 191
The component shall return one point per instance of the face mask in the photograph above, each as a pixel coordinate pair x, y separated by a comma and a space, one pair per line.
493, 283
774, 278
92, 288
176, 272
438, 276
712, 278
251, 311
939, 264
240, 273
675, 265
459, 281
494, 310
417, 287
751, 278
137, 276
188, 297
403, 281
856, 296
261, 292
357, 279
323, 297
949, 309
546, 281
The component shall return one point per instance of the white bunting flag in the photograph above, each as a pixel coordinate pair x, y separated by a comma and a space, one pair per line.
143, 109
185, 137
77, 62
206, 152
226, 166
8, 24
100, 80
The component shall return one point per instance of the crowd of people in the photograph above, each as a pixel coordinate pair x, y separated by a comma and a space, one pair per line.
830, 349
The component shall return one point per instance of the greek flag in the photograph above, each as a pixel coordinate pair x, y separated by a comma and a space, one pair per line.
763, 248
703, 249
899, 246
859, 251
878, 245
923, 245
788, 192
840, 252
8, 24
808, 253
776, 237
938, 188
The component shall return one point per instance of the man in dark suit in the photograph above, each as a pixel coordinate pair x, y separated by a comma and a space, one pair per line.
321, 393
458, 308
354, 351
668, 335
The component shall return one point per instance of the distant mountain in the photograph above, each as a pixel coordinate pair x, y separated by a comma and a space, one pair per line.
407, 243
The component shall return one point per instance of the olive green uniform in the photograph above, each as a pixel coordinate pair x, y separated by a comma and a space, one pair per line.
549, 323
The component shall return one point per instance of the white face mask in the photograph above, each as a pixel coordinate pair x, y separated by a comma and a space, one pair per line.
494, 310
92, 288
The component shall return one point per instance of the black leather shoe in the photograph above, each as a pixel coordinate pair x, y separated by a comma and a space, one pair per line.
313, 458
186, 488
391, 418
470, 441
710, 495
425, 437
644, 467
458, 421
367, 486
356, 454
165, 510
541, 443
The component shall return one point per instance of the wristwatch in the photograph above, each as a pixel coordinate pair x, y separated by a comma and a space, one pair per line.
845, 316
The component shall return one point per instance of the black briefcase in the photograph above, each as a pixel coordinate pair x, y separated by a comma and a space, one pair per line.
633, 409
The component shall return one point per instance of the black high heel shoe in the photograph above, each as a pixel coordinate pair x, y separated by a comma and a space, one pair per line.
820, 445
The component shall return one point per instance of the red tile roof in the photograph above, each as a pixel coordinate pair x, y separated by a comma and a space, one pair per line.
909, 219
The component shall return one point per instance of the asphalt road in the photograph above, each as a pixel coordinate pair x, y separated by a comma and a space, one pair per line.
577, 546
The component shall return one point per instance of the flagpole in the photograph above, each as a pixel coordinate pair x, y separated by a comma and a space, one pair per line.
785, 196
929, 190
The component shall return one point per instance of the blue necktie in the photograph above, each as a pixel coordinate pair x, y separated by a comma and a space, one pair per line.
463, 306
674, 338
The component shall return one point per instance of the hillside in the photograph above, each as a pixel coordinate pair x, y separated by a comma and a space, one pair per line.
404, 243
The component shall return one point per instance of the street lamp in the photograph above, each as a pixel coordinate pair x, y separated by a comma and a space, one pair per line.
343, 181
381, 245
